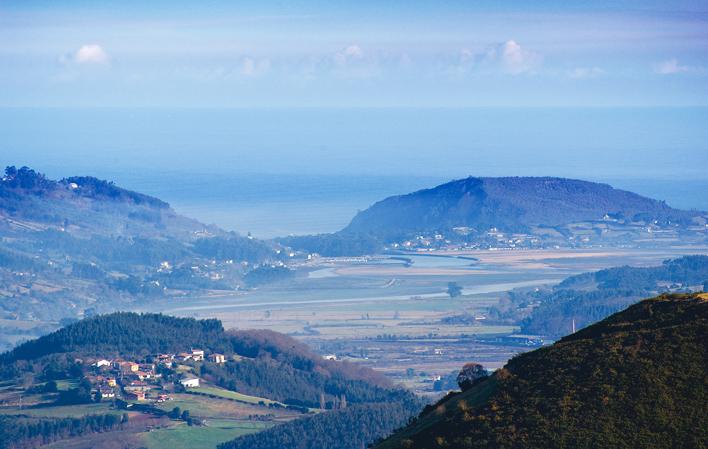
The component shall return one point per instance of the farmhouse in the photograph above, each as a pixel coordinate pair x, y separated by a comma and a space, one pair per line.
136, 395
217, 358
107, 393
190, 382
197, 355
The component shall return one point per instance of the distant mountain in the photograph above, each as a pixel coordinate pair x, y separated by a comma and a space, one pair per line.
635, 379
512, 204
81, 245
589, 297
510, 212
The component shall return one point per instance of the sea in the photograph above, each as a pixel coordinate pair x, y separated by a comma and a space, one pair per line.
277, 172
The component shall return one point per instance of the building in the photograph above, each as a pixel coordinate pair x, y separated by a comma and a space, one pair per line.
111, 381
136, 395
217, 358
183, 357
127, 367
197, 354
102, 363
107, 393
190, 382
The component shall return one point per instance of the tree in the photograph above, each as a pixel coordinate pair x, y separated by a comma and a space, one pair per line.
470, 374
97, 396
175, 413
185, 415
453, 289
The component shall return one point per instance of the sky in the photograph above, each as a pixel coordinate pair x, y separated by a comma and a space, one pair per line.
424, 54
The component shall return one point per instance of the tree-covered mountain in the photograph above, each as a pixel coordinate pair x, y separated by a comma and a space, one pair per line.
636, 379
81, 245
485, 211
589, 297
513, 204
261, 363
272, 365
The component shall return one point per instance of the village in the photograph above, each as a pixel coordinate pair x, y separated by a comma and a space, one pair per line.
153, 379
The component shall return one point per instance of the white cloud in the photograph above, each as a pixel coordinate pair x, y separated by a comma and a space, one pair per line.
349, 54
512, 58
90, 54
252, 67
585, 72
670, 67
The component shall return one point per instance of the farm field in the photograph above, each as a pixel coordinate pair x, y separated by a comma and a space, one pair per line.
353, 307
215, 431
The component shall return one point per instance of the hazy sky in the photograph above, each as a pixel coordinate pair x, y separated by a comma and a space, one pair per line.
364, 53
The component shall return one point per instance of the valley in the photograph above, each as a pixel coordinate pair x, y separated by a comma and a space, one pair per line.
393, 313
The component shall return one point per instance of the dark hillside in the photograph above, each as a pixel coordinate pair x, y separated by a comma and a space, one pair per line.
636, 379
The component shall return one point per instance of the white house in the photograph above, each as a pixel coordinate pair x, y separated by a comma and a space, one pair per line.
102, 362
190, 382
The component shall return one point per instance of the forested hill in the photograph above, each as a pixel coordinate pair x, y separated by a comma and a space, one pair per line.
512, 204
635, 379
357, 405
273, 365
79, 246
590, 297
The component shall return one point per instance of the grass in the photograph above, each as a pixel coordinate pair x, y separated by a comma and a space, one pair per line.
67, 384
183, 436
70, 411
228, 394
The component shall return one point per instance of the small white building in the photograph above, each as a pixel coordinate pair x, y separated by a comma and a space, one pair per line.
102, 362
197, 354
217, 358
191, 382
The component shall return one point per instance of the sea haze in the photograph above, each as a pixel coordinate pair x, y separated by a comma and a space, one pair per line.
291, 171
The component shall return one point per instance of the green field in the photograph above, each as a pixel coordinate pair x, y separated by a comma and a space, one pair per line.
214, 432
67, 384
70, 411
228, 394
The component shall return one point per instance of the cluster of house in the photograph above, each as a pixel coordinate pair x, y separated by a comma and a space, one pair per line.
131, 380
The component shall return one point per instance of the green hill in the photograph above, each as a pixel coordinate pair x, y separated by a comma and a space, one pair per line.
259, 363
636, 379
273, 365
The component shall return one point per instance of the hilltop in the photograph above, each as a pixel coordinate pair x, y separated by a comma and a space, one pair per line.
635, 379
511, 212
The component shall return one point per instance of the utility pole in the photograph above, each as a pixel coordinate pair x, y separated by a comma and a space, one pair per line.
573, 325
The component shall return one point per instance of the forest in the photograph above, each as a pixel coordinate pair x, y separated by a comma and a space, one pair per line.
590, 297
